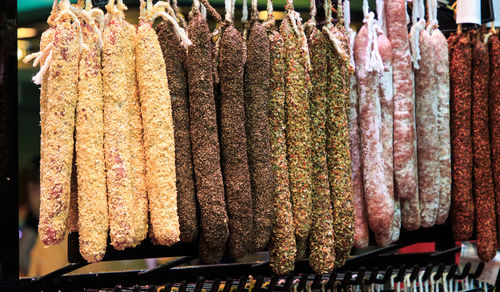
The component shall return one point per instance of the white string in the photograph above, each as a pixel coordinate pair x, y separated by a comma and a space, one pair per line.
232, 8
328, 12
179, 31
203, 11
255, 8
229, 10
374, 59
381, 15
312, 6
347, 14
244, 18
269, 8
38, 78
196, 4
365, 8
415, 31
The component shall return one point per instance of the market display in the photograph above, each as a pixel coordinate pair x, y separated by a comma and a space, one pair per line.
298, 140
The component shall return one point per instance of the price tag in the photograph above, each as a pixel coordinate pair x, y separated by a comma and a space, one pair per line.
468, 253
469, 11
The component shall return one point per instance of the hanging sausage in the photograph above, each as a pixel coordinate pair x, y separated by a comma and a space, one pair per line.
461, 146
174, 55
282, 250
233, 139
321, 243
204, 138
484, 194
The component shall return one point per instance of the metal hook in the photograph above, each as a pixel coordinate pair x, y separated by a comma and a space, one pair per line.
439, 272
478, 272
332, 279
199, 284
360, 276
387, 275
272, 284
452, 272
427, 272
345, 281
303, 282
215, 285
242, 283
414, 272
401, 274
464, 273
373, 276
167, 287
258, 283
317, 282
228, 285
183, 286
288, 282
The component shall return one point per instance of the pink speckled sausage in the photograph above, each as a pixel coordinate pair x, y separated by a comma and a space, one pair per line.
361, 238
405, 153
426, 101
387, 106
441, 69
379, 203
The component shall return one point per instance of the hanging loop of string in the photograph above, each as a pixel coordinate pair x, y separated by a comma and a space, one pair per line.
255, 10
374, 60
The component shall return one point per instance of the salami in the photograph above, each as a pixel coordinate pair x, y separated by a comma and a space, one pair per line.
257, 128
298, 136
321, 242
386, 132
426, 101
461, 146
405, 153
484, 194
174, 55
283, 245
234, 143
205, 143
92, 196
380, 205
59, 122
441, 69
494, 115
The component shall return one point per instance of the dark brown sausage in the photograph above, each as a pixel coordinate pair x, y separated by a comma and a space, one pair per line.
234, 143
175, 62
205, 143
257, 74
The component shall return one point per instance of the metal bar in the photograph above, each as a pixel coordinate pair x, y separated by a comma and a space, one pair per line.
166, 266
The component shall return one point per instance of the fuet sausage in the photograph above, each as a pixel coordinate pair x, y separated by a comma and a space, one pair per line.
405, 152
158, 128
494, 122
234, 141
174, 55
441, 69
386, 131
426, 101
257, 127
461, 146
298, 126
137, 155
92, 196
321, 243
283, 248
204, 138
484, 194
380, 205
117, 135
59, 122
